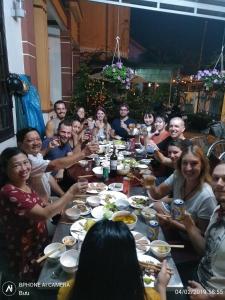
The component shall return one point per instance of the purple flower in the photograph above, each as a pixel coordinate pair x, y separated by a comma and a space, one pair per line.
119, 65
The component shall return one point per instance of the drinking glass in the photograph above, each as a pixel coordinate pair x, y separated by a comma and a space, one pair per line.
82, 180
149, 180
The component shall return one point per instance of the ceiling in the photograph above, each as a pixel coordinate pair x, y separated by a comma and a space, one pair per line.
212, 9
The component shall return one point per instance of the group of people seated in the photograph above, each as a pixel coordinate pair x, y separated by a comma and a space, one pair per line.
30, 196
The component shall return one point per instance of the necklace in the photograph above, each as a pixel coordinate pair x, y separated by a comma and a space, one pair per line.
186, 195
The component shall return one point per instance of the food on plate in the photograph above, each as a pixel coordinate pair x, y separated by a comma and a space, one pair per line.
148, 280
130, 161
139, 200
82, 207
148, 213
88, 224
161, 249
107, 198
127, 219
69, 240
98, 186
142, 243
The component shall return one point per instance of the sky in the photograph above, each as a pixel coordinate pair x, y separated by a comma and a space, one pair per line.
176, 39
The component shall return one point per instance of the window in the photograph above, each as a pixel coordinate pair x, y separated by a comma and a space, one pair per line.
6, 117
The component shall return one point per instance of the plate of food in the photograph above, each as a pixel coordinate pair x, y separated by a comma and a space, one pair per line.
138, 201
111, 196
150, 269
96, 187
79, 229
141, 241
84, 209
116, 187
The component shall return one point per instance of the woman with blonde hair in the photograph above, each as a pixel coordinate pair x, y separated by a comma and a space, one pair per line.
191, 183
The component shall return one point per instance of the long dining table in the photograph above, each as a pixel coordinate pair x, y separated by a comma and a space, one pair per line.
53, 276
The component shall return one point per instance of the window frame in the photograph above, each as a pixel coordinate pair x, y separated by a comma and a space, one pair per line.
5, 98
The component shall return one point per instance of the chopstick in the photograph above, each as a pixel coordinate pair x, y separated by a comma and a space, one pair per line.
170, 245
151, 266
85, 176
40, 259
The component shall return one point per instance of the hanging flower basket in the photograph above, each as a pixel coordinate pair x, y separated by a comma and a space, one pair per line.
211, 78
119, 74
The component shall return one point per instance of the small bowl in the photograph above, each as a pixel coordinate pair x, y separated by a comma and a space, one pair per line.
69, 261
69, 241
125, 213
98, 172
93, 201
83, 163
123, 170
56, 255
122, 204
73, 213
148, 213
158, 251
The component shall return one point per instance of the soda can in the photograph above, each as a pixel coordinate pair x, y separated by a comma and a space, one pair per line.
105, 173
126, 185
178, 210
153, 230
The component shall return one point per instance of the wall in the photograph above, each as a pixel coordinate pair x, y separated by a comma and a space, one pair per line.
14, 51
54, 51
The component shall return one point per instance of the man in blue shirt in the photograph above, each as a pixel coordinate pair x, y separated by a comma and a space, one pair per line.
120, 126
58, 146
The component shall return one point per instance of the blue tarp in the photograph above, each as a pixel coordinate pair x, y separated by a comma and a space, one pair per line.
28, 108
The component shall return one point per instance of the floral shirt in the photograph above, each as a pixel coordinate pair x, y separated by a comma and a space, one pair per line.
25, 237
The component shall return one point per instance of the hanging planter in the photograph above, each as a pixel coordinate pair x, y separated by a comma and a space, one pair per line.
116, 72
211, 78
119, 74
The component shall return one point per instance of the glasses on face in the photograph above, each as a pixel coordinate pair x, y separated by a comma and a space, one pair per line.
32, 140
123, 109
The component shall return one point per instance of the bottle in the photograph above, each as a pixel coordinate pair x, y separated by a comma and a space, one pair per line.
113, 162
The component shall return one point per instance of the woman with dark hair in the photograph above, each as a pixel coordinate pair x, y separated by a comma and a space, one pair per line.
80, 114
191, 183
24, 215
102, 127
160, 129
108, 267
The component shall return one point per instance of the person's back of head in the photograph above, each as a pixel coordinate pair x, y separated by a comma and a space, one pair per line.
108, 266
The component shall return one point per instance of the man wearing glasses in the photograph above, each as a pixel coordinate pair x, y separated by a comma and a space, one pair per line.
121, 126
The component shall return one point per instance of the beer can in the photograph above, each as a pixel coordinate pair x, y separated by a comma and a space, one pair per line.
153, 230
126, 185
178, 209
105, 173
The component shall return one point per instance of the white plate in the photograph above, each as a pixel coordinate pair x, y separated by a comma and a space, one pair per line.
115, 188
113, 196
120, 147
142, 166
86, 212
148, 258
133, 203
126, 153
98, 212
79, 231
96, 187
140, 237
145, 161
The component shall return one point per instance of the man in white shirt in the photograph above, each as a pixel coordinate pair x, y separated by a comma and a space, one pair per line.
29, 141
211, 269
